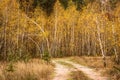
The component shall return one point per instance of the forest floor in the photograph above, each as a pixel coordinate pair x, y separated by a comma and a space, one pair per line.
65, 67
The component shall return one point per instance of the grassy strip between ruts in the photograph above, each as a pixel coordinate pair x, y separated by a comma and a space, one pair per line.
78, 75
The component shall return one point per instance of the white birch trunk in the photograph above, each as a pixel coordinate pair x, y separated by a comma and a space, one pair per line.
100, 43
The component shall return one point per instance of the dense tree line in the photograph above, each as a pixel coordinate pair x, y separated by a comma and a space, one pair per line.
58, 28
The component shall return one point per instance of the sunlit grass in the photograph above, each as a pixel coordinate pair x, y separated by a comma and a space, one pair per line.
93, 62
32, 70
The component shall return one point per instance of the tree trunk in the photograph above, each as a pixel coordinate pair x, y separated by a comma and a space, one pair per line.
100, 43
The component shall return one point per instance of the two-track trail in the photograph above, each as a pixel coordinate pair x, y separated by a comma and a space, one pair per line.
62, 72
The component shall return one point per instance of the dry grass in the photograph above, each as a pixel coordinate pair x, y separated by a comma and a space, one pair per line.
93, 62
32, 70
66, 64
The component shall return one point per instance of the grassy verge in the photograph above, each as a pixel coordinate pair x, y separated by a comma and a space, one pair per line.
78, 75
93, 62
114, 72
32, 70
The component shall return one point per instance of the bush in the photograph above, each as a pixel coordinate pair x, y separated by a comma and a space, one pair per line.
46, 57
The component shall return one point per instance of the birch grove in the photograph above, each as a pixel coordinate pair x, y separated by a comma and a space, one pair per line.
34, 30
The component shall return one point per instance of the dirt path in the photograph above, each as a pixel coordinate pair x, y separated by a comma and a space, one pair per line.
91, 73
62, 72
